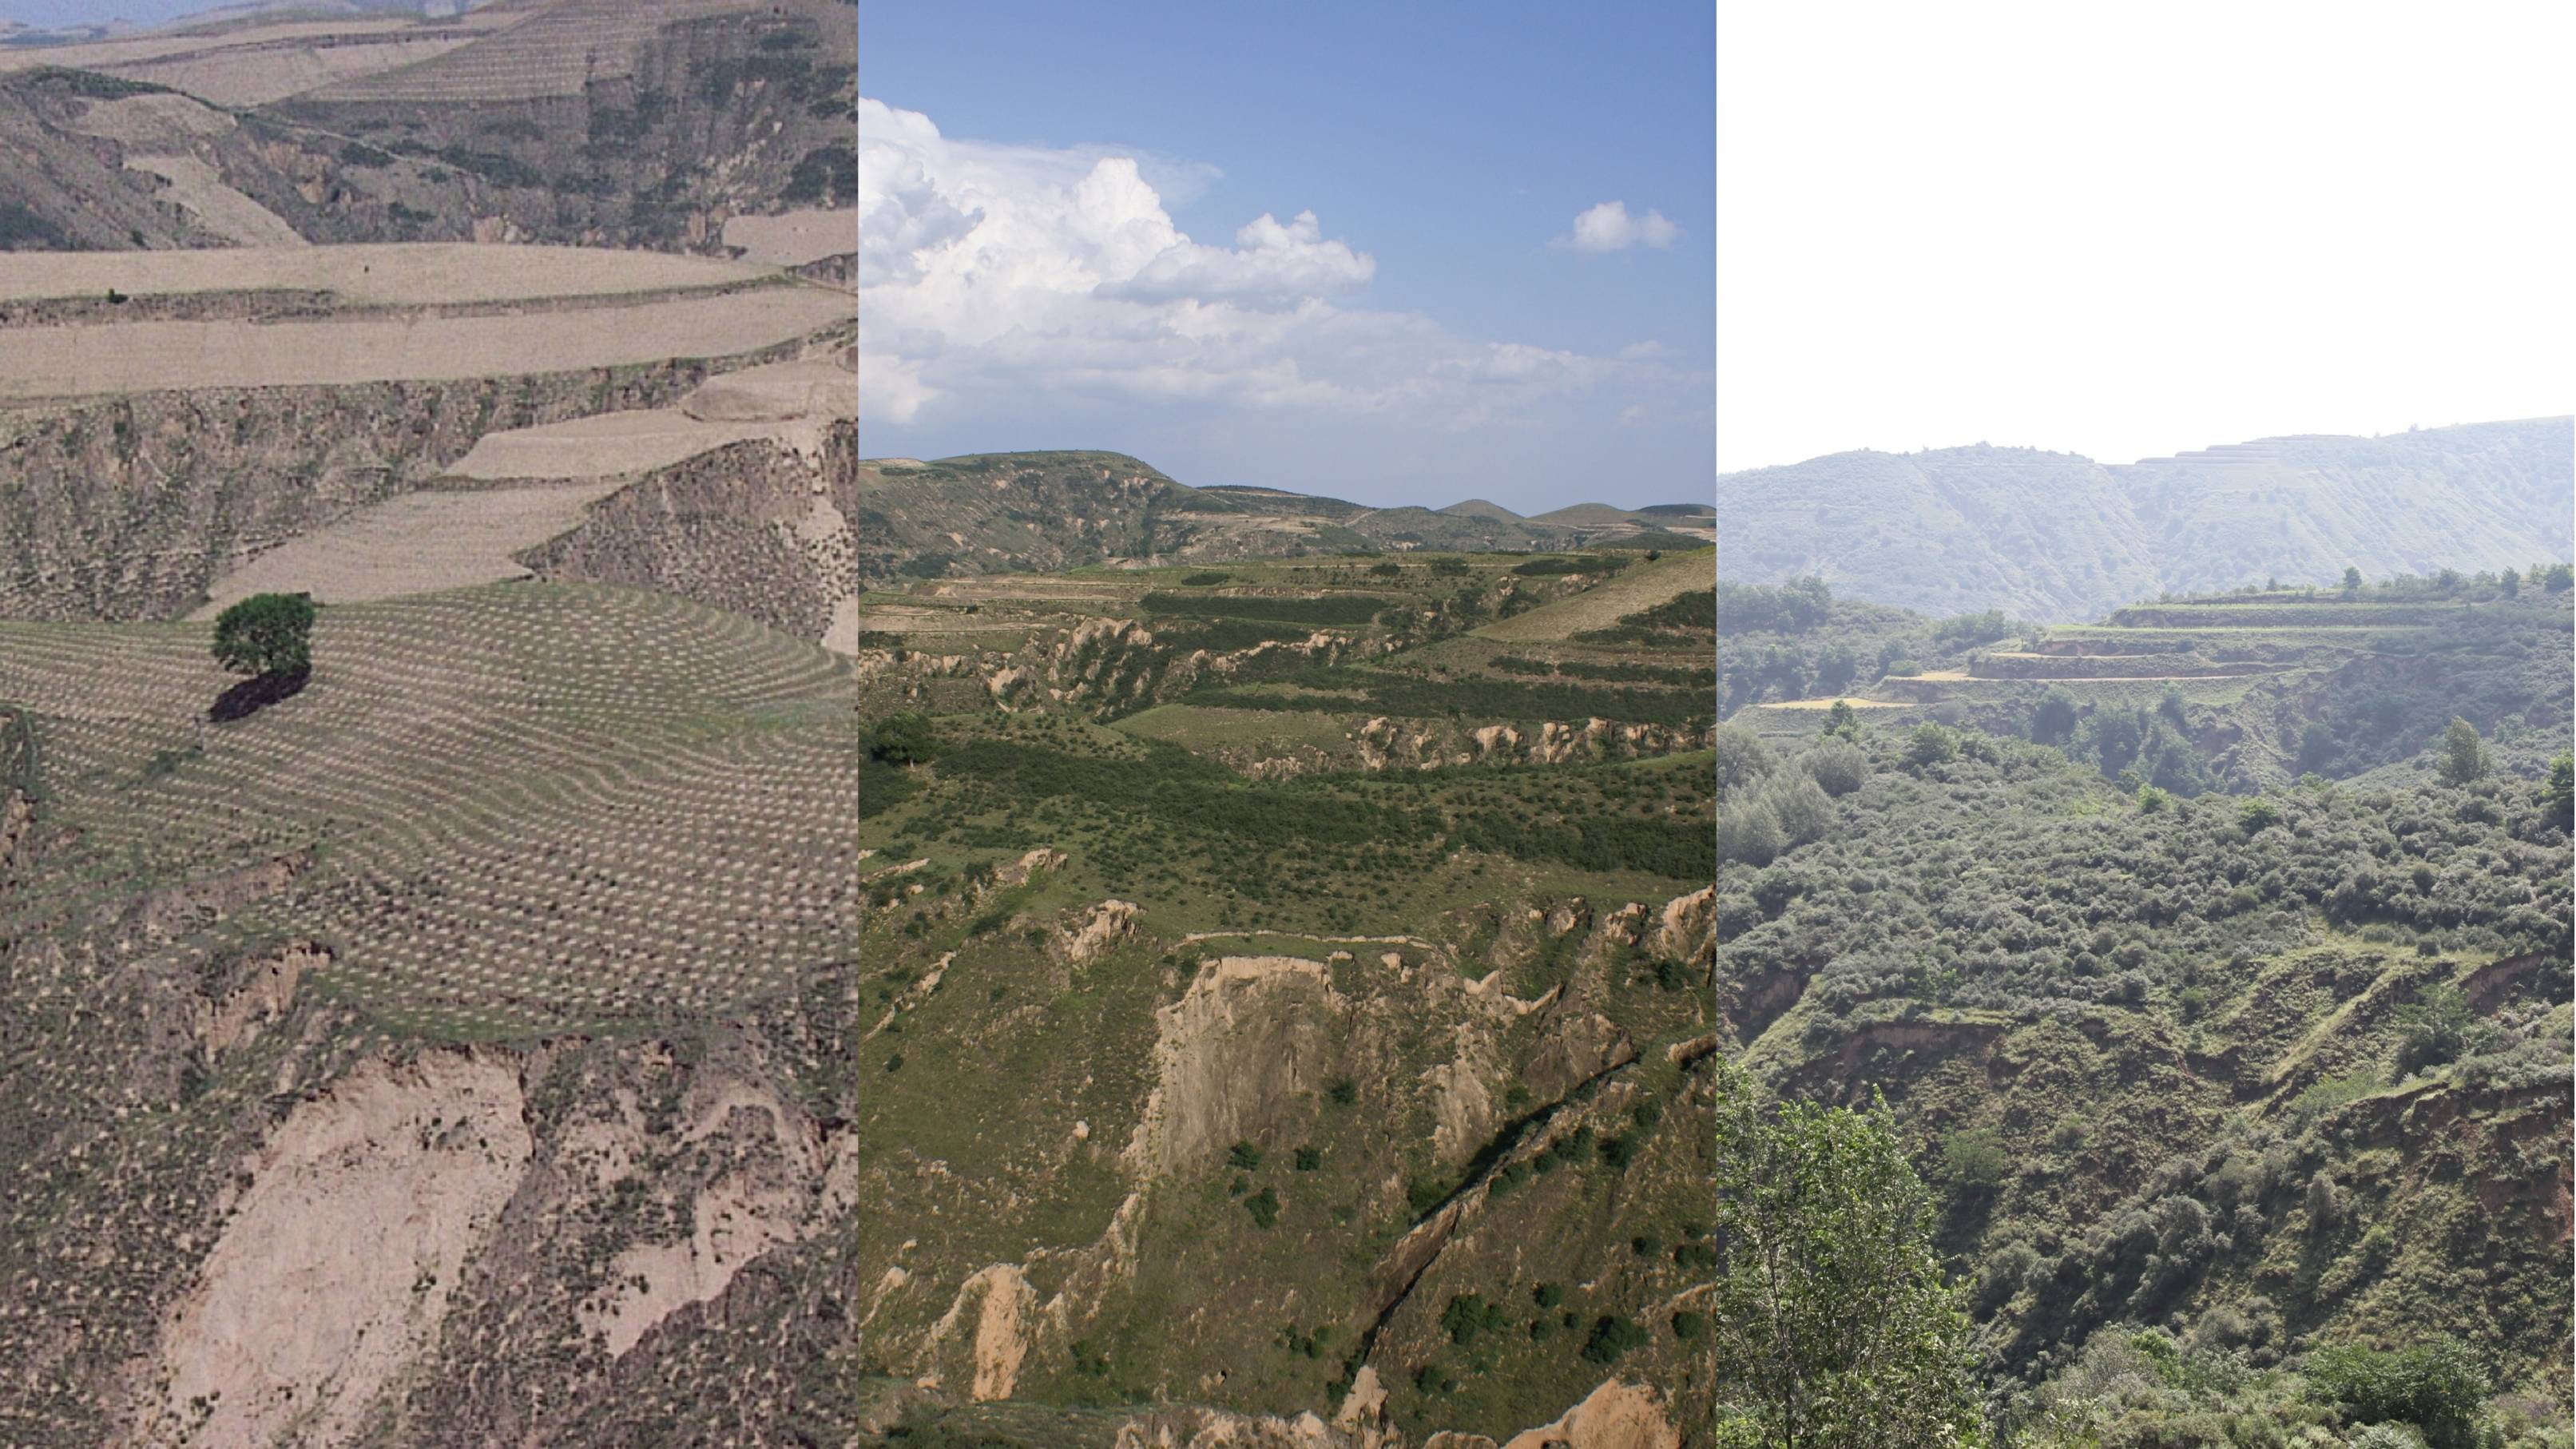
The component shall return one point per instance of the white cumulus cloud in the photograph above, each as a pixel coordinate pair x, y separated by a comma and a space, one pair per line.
1609, 228
988, 274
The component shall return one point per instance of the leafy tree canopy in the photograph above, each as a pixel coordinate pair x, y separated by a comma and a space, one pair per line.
903, 739
266, 634
1832, 1321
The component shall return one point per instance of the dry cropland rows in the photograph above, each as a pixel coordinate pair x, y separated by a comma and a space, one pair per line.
450, 1044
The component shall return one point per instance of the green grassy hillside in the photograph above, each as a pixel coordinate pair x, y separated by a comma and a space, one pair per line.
1348, 975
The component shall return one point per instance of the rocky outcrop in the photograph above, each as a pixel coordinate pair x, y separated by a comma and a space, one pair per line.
1101, 929
1613, 1416
264, 995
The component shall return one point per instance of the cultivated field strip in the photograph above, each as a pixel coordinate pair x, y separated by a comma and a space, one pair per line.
388, 274
82, 361
509, 809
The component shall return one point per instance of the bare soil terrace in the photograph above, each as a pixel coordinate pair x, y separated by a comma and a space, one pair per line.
389, 274
76, 361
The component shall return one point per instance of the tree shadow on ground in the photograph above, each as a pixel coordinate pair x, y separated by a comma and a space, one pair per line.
255, 694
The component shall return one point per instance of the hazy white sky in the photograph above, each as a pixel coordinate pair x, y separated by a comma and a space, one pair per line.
2127, 230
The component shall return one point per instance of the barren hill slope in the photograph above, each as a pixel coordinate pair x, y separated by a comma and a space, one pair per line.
446, 1043
635, 124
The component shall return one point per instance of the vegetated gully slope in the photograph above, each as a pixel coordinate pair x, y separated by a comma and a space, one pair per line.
2270, 1082
624, 124
1359, 1053
2058, 538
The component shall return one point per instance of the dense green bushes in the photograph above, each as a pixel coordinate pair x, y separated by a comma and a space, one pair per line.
2030, 881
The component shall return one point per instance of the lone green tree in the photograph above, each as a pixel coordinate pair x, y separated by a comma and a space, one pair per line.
2559, 795
2351, 579
2464, 754
903, 739
1832, 1322
1842, 721
266, 636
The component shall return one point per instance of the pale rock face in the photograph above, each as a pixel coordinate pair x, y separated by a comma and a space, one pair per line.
1613, 1416
239, 1017
335, 1270
731, 1222
1246, 1035
1687, 931
1003, 1304
1107, 924
1464, 1112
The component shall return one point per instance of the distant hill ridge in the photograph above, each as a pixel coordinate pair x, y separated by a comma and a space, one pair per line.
2059, 537
1008, 512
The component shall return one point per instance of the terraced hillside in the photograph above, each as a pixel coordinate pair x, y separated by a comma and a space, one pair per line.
186, 428
1348, 970
451, 1043
649, 124
1004, 512
440, 1043
2255, 688
2059, 538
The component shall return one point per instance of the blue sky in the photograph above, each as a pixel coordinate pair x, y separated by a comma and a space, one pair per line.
1451, 343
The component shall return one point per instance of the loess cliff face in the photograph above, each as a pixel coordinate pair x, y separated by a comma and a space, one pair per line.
710, 116
643, 126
